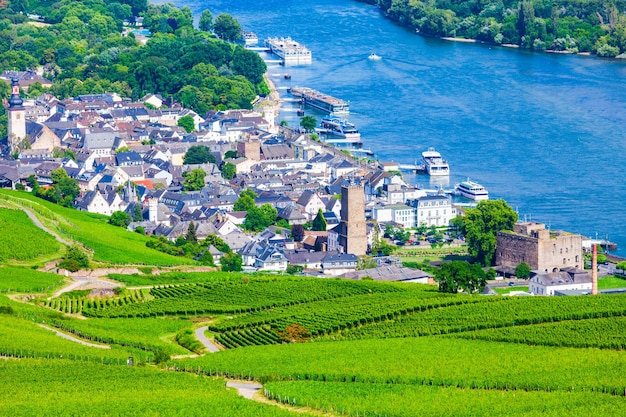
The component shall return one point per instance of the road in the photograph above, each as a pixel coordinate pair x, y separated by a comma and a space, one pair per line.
245, 389
210, 346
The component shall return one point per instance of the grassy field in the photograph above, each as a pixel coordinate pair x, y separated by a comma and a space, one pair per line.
610, 282
508, 290
110, 244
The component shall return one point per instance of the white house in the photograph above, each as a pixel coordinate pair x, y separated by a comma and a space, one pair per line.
401, 214
433, 210
547, 283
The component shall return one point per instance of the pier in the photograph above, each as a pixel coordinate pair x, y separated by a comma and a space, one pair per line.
259, 48
418, 169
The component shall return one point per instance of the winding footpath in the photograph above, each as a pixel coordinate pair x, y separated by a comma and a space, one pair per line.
74, 339
44, 228
209, 345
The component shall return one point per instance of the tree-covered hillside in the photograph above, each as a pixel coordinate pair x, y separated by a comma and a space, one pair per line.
567, 25
81, 46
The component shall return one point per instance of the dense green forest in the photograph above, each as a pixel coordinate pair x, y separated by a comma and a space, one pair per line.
573, 26
82, 49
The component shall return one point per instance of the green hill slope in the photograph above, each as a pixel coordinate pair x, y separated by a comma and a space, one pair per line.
21, 239
109, 244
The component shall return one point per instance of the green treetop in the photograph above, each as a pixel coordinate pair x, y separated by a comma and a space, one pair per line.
480, 225
194, 180
319, 222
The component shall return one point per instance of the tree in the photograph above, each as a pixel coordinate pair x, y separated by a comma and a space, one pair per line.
480, 225
206, 21
249, 64
63, 191
137, 214
74, 260
191, 236
366, 262
458, 276
319, 222
229, 170
258, 218
230, 154
308, 123
245, 201
198, 155
294, 269
522, 270
206, 258
194, 179
297, 232
187, 123
381, 247
621, 265
218, 242
120, 218
231, 262
227, 27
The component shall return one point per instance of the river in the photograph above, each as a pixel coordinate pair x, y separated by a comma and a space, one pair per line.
546, 132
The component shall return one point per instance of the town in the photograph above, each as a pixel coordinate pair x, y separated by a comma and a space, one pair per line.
181, 234
161, 169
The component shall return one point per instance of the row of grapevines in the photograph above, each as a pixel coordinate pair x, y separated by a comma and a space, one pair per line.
262, 335
405, 400
607, 333
74, 305
436, 361
501, 312
235, 297
331, 315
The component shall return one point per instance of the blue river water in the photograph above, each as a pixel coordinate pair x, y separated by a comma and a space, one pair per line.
545, 132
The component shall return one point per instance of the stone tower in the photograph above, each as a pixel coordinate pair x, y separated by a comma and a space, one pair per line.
17, 122
353, 229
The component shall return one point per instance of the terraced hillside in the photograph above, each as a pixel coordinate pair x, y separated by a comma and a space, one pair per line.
334, 346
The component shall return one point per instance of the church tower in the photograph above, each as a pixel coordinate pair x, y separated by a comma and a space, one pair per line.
17, 122
353, 229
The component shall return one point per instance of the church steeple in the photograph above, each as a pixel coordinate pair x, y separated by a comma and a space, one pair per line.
15, 101
16, 128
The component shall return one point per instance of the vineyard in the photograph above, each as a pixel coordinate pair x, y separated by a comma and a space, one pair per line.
323, 317
66, 388
144, 334
605, 333
27, 280
66, 303
14, 225
495, 312
427, 361
399, 400
340, 347
109, 243
235, 297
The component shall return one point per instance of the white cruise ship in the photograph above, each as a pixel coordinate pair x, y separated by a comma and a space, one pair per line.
291, 52
435, 165
473, 190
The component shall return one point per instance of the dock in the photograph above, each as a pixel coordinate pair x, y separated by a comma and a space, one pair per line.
418, 169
